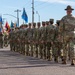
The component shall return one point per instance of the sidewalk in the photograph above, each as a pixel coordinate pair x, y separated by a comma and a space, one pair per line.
13, 63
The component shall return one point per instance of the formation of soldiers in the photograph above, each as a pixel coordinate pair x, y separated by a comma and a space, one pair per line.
41, 41
46, 40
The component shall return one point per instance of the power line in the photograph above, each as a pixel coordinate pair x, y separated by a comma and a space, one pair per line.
40, 4
27, 2
36, 6
10, 15
45, 6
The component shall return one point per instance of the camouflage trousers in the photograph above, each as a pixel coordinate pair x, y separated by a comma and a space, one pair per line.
6, 43
29, 49
68, 50
41, 50
56, 50
44, 50
49, 51
71, 51
22, 47
12, 46
1, 43
36, 50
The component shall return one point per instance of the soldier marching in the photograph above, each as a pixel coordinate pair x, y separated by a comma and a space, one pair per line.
46, 40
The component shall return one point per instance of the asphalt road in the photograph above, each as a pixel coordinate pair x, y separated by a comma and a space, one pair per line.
13, 63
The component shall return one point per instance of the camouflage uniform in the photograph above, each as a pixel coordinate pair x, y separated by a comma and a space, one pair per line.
50, 31
57, 43
35, 43
37, 37
42, 46
25, 38
1, 40
67, 26
29, 45
11, 39
17, 39
6, 40
14, 40
21, 40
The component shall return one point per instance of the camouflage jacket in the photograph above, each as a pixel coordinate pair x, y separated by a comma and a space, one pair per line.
50, 31
67, 26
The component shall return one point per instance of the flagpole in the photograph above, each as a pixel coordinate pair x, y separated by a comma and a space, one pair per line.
24, 16
23, 21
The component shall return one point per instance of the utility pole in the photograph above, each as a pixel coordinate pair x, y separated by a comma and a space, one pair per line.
17, 15
32, 11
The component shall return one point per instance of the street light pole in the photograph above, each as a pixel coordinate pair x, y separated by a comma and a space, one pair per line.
10, 15
38, 16
17, 15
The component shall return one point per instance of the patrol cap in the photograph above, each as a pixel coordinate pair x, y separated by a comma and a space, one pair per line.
12, 29
43, 22
38, 23
51, 20
69, 7
47, 22
26, 25
34, 24
57, 21
16, 28
29, 24
21, 26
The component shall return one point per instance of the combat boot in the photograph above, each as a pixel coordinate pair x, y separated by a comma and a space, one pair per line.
36, 55
41, 57
44, 57
31, 54
56, 59
49, 58
62, 58
64, 61
73, 62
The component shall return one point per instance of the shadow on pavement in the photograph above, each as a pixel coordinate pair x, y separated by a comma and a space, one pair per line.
24, 66
21, 59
